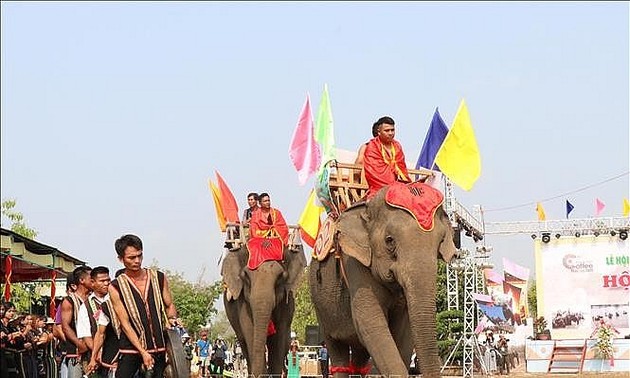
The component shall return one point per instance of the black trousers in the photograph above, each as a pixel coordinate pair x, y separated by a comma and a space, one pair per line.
129, 364
324, 367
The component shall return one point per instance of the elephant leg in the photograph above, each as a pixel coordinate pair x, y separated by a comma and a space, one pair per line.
360, 360
339, 357
369, 302
278, 344
401, 330
240, 318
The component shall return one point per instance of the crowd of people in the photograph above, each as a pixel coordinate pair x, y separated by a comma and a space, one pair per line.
103, 328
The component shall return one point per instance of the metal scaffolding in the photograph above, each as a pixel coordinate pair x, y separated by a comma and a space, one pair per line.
562, 227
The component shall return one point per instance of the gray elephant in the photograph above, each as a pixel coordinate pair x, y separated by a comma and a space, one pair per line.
253, 298
378, 297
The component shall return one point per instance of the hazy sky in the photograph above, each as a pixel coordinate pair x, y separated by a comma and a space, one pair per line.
114, 115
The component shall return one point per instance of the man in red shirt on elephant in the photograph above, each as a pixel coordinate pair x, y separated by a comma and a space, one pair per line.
268, 233
384, 160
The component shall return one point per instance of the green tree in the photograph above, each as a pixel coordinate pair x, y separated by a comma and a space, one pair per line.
23, 294
221, 327
532, 301
18, 225
449, 324
304, 309
194, 301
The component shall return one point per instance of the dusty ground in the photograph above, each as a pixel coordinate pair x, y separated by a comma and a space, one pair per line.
519, 372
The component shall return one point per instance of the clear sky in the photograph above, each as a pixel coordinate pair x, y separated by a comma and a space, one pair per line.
114, 115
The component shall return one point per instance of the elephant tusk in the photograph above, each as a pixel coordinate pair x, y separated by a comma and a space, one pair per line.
229, 295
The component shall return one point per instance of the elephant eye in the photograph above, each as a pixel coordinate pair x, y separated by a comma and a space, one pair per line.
390, 244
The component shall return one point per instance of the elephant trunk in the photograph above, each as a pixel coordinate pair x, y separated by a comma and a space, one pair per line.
262, 307
261, 322
421, 307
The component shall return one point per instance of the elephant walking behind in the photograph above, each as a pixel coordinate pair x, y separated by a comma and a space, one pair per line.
259, 304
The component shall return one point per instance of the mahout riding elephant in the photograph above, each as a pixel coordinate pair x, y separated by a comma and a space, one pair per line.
254, 297
378, 297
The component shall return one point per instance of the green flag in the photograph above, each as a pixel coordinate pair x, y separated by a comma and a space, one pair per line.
324, 130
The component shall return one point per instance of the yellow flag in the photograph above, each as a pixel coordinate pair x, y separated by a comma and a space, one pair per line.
626, 207
216, 196
310, 220
458, 157
541, 212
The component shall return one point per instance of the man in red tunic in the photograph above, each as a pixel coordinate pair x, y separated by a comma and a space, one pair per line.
268, 233
384, 160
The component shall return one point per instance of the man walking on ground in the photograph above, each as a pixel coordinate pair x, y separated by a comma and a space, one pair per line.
203, 351
323, 359
86, 324
74, 346
141, 297
218, 356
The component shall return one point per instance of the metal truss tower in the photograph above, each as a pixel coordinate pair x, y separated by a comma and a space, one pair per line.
471, 265
563, 227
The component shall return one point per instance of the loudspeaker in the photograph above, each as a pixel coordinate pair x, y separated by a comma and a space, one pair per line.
457, 237
313, 335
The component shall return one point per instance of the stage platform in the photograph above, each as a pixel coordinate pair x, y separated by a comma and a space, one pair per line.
538, 355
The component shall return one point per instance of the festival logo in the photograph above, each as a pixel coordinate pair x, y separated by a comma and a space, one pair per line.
577, 264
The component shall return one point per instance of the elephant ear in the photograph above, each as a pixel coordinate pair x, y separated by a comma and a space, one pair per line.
231, 271
295, 264
447, 247
353, 236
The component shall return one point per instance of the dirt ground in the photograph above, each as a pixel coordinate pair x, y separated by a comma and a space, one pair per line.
519, 372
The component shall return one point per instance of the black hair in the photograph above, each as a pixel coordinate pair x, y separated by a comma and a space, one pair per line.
127, 241
99, 270
6, 306
375, 127
79, 272
383, 120
70, 280
261, 195
253, 194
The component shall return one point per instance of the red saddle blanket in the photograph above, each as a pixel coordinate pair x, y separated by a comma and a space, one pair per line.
263, 249
419, 199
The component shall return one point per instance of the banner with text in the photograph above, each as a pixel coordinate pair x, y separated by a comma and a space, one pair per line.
580, 281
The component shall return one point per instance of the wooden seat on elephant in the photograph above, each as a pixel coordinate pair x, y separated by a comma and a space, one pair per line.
237, 235
348, 185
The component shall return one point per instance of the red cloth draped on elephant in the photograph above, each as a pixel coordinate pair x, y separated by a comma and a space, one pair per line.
269, 234
384, 165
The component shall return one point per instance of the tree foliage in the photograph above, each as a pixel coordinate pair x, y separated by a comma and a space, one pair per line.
18, 225
304, 309
220, 327
449, 323
194, 301
532, 301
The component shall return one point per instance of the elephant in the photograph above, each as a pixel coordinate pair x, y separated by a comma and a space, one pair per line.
254, 297
377, 297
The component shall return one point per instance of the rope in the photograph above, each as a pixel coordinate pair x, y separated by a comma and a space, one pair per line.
559, 195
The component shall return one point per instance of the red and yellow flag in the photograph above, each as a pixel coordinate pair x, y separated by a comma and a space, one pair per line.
541, 212
228, 202
52, 310
216, 196
8, 270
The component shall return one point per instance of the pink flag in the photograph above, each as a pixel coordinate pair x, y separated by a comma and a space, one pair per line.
482, 324
493, 276
304, 151
515, 270
599, 207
